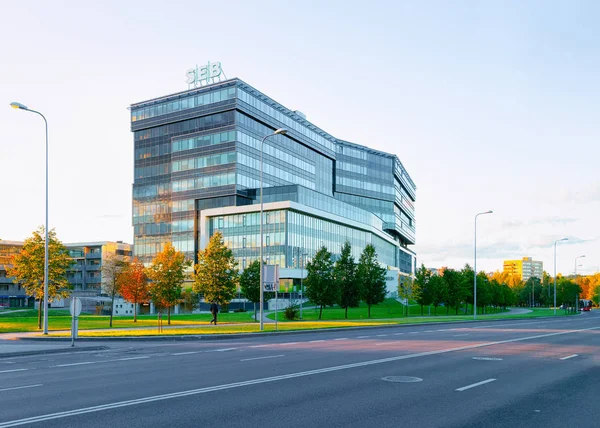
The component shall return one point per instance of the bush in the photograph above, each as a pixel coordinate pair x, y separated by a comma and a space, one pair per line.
291, 312
240, 310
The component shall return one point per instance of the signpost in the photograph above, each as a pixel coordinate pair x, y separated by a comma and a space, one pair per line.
271, 283
75, 309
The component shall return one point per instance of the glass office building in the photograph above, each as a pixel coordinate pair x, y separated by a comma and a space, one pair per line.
197, 170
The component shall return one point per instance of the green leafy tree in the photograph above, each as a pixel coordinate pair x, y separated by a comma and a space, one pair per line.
344, 274
217, 276
371, 277
407, 290
456, 290
28, 268
250, 284
466, 276
438, 292
167, 274
422, 277
320, 288
484, 294
113, 266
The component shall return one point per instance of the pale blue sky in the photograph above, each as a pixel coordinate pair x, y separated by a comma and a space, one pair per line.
489, 105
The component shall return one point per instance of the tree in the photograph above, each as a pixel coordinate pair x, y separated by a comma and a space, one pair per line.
28, 268
371, 277
456, 292
216, 275
438, 292
422, 277
167, 274
408, 290
344, 274
112, 267
133, 285
250, 283
320, 287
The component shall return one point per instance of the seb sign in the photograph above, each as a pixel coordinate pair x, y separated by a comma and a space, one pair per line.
204, 75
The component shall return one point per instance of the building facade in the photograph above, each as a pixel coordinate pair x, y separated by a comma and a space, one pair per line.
525, 268
11, 294
197, 170
85, 275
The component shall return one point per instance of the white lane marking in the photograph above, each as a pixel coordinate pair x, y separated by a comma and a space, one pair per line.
258, 346
570, 356
429, 331
384, 343
13, 370
262, 358
130, 358
341, 338
380, 335
398, 334
414, 332
456, 335
22, 387
473, 385
362, 337
78, 364
187, 353
487, 358
289, 343
315, 341
127, 403
444, 329
221, 350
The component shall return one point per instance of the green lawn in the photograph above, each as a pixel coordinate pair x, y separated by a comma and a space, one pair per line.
61, 320
388, 312
392, 309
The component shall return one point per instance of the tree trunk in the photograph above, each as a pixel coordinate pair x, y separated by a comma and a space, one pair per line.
169, 315
254, 310
135, 307
369, 310
321, 312
346, 312
434, 310
40, 313
421, 310
112, 308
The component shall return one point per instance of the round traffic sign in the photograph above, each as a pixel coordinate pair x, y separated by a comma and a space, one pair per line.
75, 306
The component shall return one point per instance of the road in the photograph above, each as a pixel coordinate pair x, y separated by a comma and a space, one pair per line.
517, 373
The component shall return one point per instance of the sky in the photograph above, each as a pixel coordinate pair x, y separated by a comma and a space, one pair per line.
489, 106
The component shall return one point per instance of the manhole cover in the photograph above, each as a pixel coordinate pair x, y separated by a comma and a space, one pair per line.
403, 379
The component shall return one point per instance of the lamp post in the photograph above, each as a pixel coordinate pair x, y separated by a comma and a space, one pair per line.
301, 277
555, 242
475, 266
262, 143
578, 257
20, 106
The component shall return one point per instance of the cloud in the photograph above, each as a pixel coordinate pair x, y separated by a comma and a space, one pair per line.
580, 195
553, 221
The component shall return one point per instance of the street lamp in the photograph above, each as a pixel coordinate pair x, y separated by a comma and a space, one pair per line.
262, 143
558, 240
475, 267
578, 257
20, 106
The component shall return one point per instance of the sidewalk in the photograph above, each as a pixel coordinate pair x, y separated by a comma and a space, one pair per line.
17, 348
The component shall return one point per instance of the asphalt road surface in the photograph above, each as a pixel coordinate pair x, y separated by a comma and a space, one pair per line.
512, 373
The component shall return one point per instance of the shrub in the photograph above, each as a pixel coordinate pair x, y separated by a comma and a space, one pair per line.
291, 312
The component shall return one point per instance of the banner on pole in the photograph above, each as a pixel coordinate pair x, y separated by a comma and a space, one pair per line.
270, 278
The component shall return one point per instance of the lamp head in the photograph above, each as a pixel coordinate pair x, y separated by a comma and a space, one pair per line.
18, 106
281, 131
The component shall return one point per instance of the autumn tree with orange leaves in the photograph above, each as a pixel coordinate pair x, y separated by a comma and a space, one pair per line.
133, 285
167, 274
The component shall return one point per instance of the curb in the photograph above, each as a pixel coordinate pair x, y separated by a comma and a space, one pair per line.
233, 336
52, 351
